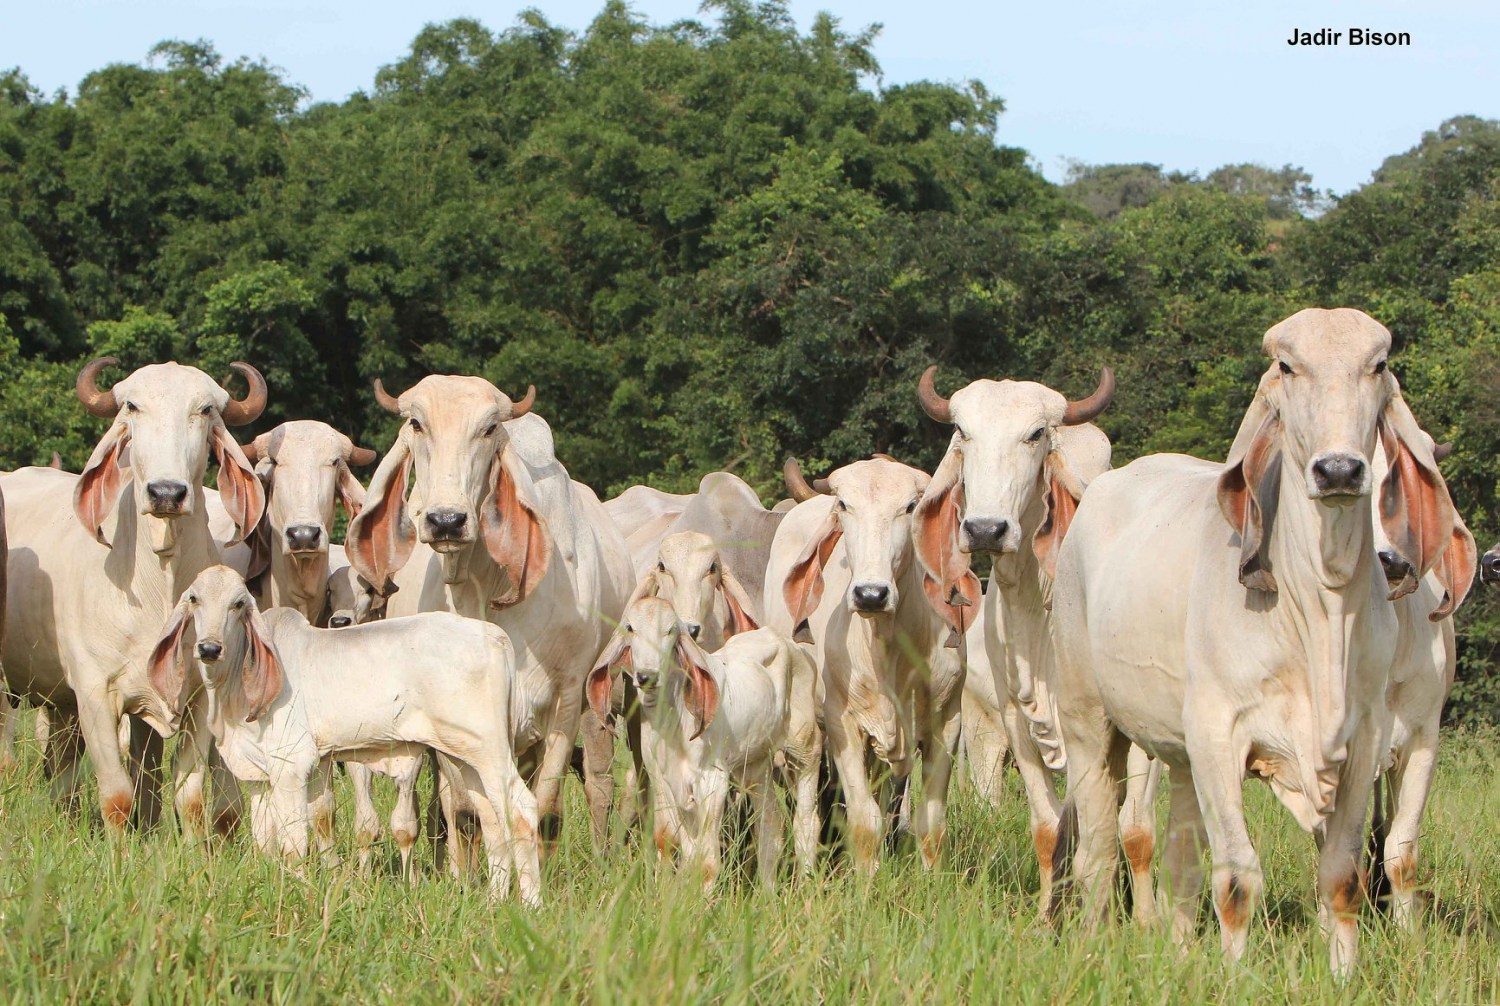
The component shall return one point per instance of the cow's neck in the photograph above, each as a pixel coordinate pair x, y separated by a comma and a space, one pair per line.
299, 582
1323, 560
1018, 597
163, 556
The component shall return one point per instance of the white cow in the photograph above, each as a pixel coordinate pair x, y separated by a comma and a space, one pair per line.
1421, 677
493, 528
90, 585
1019, 460
305, 468
284, 699
843, 579
712, 719
1232, 619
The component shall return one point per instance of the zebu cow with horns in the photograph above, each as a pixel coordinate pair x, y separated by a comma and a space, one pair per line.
470, 511
1232, 619
1018, 462
90, 587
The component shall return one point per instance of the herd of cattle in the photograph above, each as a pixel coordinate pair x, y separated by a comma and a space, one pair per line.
1284, 615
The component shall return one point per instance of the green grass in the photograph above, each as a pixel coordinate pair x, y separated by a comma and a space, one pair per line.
151, 917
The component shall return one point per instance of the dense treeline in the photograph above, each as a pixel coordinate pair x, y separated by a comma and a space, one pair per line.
708, 244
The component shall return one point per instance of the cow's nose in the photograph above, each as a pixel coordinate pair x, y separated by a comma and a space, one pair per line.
871, 596
447, 522
303, 537
1395, 565
340, 622
1339, 473
1489, 567
693, 628
209, 651
166, 493
986, 534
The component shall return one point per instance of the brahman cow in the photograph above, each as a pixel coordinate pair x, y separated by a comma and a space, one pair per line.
1232, 619
305, 468
90, 585
724, 508
282, 706
495, 529
1421, 677
1018, 462
843, 578
712, 719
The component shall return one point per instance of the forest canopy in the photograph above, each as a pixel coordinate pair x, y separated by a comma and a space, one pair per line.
708, 244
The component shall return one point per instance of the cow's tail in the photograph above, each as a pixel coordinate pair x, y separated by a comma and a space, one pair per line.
1379, 884
1062, 856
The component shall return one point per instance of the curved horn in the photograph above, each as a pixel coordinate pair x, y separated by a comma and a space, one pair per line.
386, 399
797, 485
934, 404
99, 403
1086, 409
518, 409
245, 410
252, 453
1441, 451
360, 456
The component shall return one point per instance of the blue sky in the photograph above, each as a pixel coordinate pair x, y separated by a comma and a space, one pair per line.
1189, 86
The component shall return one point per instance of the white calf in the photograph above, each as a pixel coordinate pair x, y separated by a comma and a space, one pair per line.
285, 699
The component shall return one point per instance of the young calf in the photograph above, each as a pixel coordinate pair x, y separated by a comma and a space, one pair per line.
284, 698
709, 720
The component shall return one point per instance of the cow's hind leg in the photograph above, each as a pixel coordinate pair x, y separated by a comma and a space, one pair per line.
62, 753
366, 818
1410, 783
1138, 831
1182, 859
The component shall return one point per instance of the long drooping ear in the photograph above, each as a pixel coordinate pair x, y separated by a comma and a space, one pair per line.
380, 537
935, 536
1063, 491
647, 587
261, 678
351, 493
615, 656
259, 540
702, 692
741, 608
98, 488
1455, 570
166, 669
803, 588
1247, 497
514, 534
1416, 511
243, 495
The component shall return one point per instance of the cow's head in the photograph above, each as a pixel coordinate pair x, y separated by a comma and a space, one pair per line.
692, 575
233, 651
869, 507
649, 644
305, 467
167, 421
1325, 402
1006, 483
466, 484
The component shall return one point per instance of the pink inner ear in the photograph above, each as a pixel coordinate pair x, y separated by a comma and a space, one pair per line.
804, 584
98, 488
164, 669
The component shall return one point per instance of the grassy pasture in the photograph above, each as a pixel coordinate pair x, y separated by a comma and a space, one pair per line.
153, 918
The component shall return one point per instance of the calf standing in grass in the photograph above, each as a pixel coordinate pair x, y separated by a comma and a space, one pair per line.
284, 698
709, 720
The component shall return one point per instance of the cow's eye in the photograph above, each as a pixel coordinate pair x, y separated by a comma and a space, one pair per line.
1286, 368
238, 605
1036, 434
207, 410
1380, 367
713, 567
132, 407
192, 599
416, 426
628, 627
489, 431
911, 506
843, 505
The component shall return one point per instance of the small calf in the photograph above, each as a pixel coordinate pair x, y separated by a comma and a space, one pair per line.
285, 698
710, 720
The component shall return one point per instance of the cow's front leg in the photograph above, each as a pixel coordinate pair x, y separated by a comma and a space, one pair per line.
557, 752
1041, 798
1217, 750
937, 770
189, 772
1341, 881
865, 819
99, 718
